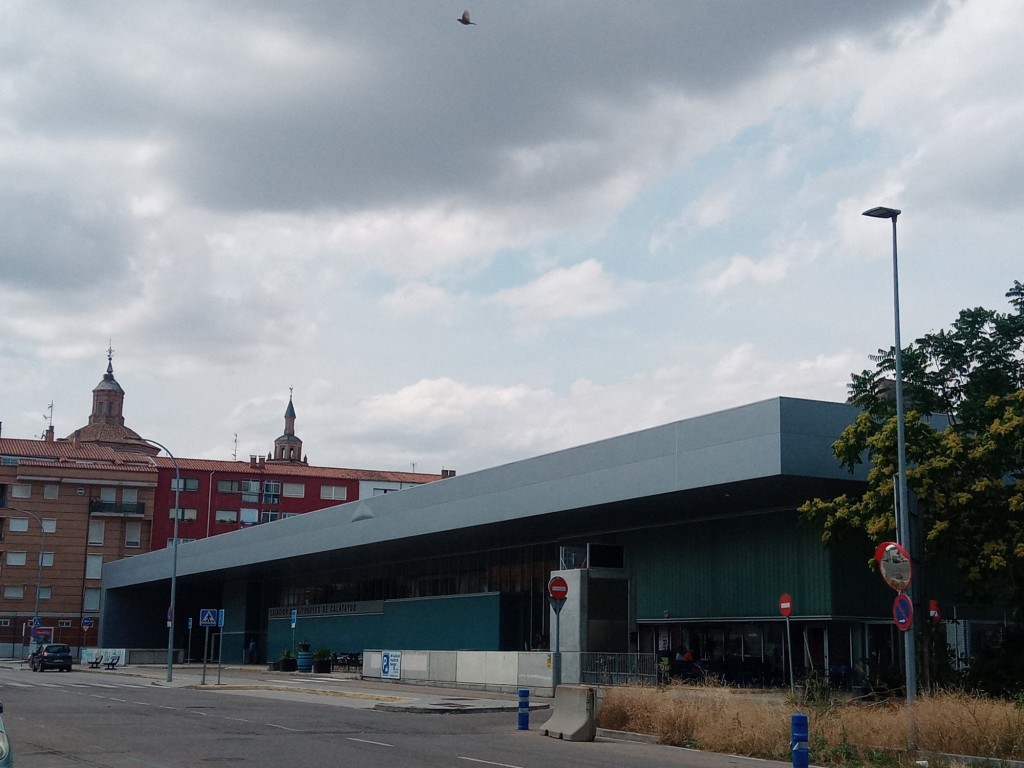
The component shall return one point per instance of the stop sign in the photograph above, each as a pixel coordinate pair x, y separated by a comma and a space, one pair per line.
558, 588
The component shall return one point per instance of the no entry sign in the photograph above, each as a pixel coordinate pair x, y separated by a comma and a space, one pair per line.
786, 605
558, 588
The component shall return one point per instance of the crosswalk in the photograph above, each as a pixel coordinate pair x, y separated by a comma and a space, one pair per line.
47, 682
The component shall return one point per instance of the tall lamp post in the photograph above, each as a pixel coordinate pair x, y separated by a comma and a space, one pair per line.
174, 560
39, 573
903, 510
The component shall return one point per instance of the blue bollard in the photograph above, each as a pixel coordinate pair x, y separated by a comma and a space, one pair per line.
524, 709
798, 744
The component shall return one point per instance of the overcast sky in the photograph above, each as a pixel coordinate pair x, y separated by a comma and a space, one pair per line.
467, 245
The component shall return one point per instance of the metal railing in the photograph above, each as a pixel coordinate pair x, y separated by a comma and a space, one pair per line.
618, 669
132, 509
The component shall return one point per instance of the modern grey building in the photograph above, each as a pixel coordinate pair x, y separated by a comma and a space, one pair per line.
688, 533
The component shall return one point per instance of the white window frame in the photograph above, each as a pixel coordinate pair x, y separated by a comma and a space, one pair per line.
186, 514
21, 491
45, 592
100, 527
91, 599
226, 516
51, 491
133, 534
46, 560
49, 525
334, 492
16, 558
14, 592
94, 566
18, 525
294, 490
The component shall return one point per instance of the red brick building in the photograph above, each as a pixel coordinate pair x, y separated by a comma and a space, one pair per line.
67, 506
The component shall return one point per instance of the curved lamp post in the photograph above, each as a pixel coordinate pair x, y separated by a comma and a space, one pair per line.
174, 561
903, 510
39, 573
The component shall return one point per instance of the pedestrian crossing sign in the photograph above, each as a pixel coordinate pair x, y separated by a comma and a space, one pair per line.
208, 617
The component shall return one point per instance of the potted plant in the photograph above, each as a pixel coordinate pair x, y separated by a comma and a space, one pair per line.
304, 646
322, 660
288, 662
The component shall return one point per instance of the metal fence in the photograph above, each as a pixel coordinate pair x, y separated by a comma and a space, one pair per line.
618, 669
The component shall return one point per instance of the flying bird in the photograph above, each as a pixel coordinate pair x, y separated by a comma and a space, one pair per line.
465, 19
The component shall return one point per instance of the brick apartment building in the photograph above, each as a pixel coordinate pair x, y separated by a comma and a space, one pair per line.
67, 506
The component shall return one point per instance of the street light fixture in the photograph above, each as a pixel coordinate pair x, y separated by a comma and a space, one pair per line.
174, 560
903, 509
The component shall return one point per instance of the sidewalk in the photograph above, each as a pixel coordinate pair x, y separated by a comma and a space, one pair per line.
345, 688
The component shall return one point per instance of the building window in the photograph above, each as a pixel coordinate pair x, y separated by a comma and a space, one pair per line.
19, 524
133, 534
108, 495
272, 492
91, 599
51, 491
229, 516
185, 515
249, 516
295, 490
21, 491
228, 486
96, 530
16, 558
184, 484
49, 525
250, 490
64, 623
130, 502
268, 516
335, 492
46, 559
94, 566
45, 593
13, 592
5, 622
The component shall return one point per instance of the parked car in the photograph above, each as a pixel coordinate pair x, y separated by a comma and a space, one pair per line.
5, 745
51, 656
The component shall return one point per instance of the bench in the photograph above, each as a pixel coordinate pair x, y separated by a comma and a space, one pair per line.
112, 663
95, 662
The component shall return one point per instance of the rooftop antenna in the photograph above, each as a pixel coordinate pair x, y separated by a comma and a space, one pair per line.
234, 454
48, 418
413, 465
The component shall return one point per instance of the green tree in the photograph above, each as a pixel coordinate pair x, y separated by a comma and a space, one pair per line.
964, 391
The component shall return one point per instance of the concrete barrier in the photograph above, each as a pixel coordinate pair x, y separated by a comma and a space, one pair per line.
575, 717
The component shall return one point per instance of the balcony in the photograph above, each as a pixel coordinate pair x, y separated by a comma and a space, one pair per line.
127, 509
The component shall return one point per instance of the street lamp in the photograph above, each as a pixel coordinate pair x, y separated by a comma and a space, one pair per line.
39, 573
174, 561
903, 509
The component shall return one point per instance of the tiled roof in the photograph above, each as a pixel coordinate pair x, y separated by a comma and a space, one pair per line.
42, 452
64, 450
297, 470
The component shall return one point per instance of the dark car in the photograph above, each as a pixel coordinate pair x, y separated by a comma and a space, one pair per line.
52, 656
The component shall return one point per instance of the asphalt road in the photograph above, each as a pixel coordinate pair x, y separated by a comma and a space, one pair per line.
58, 720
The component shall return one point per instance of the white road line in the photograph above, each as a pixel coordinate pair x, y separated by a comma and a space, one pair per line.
282, 727
488, 762
367, 741
120, 700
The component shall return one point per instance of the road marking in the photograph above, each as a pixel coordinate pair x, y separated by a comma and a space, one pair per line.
367, 741
282, 727
488, 762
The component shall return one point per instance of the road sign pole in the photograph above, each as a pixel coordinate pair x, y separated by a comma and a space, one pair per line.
206, 649
789, 645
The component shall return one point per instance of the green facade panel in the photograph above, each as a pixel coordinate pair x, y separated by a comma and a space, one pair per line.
442, 624
730, 568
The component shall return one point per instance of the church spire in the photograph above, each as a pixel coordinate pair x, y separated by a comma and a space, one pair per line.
288, 447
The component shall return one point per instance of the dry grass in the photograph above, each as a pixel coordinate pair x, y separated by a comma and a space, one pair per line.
722, 720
